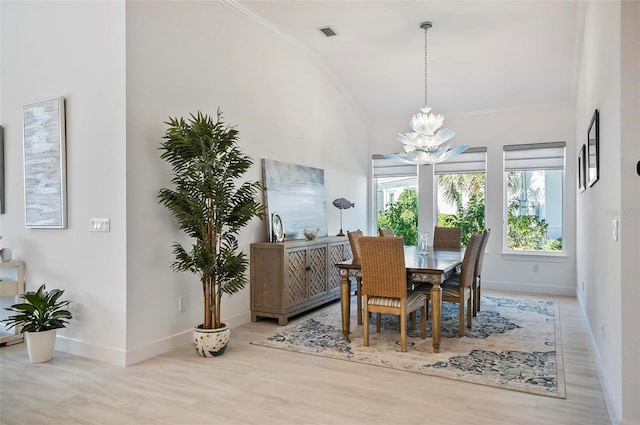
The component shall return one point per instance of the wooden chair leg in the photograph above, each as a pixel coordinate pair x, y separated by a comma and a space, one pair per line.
461, 303
403, 333
474, 290
359, 298
365, 335
477, 294
423, 319
378, 322
412, 315
469, 311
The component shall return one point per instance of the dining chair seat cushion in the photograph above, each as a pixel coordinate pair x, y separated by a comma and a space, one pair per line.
449, 290
414, 300
453, 291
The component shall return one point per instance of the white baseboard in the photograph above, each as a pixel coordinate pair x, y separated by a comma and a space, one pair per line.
160, 346
112, 355
614, 414
120, 357
535, 288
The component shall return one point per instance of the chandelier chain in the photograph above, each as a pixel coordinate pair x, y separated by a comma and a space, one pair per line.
425, 67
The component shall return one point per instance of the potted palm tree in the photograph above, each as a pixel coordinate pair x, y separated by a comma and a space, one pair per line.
38, 318
211, 206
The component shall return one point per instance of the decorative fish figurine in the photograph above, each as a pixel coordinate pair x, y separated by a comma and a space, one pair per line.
343, 204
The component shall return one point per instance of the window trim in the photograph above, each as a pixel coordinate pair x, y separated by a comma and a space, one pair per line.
508, 252
385, 167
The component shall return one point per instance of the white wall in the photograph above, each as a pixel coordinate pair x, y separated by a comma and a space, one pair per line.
74, 50
630, 211
494, 129
609, 80
182, 58
599, 255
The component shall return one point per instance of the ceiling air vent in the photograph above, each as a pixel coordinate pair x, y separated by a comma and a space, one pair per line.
327, 31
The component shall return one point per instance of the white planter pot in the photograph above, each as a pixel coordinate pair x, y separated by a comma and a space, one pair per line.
211, 342
40, 345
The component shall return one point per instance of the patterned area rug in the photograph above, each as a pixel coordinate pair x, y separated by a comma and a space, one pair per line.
514, 344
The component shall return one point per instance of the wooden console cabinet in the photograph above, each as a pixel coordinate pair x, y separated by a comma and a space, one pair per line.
291, 277
11, 287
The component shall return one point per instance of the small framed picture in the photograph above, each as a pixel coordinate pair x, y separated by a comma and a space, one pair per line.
582, 169
593, 149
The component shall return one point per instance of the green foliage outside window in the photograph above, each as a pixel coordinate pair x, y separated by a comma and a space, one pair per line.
527, 232
402, 216
470, 218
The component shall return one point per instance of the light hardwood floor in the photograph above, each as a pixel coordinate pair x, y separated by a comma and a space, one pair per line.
257, 385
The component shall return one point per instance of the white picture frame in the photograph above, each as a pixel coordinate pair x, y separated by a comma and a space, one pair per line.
45, 168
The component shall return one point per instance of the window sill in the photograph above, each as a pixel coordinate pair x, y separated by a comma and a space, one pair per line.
553, 257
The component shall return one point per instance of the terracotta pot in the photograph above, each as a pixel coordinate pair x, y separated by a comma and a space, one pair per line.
40, 345
211, 342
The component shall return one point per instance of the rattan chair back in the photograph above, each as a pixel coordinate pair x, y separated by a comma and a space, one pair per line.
447, 237
383, 268
385, 232
483, 245
354, 241
467, 274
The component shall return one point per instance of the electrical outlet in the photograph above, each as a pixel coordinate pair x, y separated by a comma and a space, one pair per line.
535, 268
615, 230
183, 303
99, 224
583, 285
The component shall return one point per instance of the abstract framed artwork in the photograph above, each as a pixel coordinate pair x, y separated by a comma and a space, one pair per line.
296, 194
582, 169
593, 149
45, 168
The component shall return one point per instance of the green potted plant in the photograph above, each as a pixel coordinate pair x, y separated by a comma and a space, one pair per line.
38, 318
211, 206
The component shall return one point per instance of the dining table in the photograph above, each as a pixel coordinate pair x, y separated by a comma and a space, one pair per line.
434, 267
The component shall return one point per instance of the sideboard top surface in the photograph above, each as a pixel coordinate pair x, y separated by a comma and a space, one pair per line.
301, 242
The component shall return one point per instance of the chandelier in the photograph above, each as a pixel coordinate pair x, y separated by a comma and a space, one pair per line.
427, 143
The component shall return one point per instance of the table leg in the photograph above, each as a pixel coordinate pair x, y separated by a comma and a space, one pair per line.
345, 302
359, 298
436, 315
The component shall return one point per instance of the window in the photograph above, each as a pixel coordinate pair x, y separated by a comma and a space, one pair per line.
534, 182
460, 184
396, 197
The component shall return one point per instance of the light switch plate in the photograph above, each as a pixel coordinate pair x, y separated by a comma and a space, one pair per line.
99, 224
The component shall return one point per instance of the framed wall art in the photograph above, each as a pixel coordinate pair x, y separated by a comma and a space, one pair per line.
593, 149
295, 193
45, 168
582, 169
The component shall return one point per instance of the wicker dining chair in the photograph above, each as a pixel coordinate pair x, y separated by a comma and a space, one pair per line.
355, 245
478, 271
354, 242
457, 288
385, 231
384, 285
447, 237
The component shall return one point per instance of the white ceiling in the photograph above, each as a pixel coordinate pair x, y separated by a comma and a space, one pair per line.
482, 55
